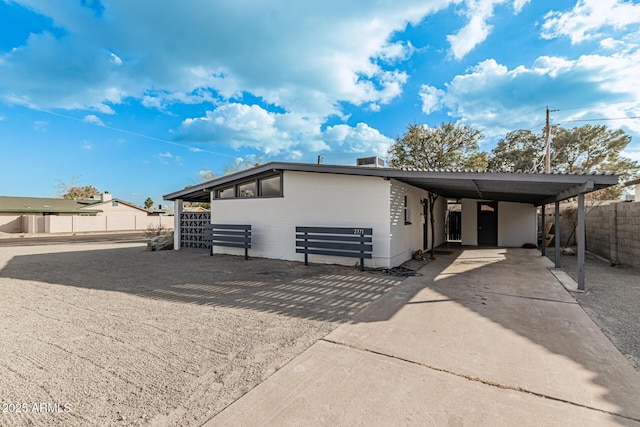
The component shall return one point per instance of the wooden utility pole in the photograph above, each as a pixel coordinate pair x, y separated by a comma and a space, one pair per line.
547, 131
547, 158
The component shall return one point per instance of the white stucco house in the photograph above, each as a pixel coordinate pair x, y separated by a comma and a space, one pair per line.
498, 209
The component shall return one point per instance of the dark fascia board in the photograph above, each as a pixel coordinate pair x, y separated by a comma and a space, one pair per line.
206, 187
564, 178
632, 182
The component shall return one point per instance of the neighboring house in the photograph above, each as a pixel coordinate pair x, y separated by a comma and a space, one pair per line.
14, 209
50, 215
162, 210
497, 209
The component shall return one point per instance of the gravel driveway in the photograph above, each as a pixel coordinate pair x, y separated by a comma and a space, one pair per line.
109, 334
612, 300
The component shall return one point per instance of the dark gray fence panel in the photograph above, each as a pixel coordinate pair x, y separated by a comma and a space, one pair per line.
353, 242
229, 235
192, 230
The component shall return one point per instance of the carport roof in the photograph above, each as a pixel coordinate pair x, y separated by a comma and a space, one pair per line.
534, 188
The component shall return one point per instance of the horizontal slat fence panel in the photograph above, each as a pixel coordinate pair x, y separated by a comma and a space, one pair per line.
353, 242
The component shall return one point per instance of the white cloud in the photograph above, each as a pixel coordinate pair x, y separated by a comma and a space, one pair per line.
519, 4
496, 99
307, 57
590, 18
477, 29
168, 157
474, 33
43, 74
360, 139
242, 126
86, 145
431, 98
633, 154
374, 107
611, 43
40, 125
398, 51
93, 119
116, 59
239, 125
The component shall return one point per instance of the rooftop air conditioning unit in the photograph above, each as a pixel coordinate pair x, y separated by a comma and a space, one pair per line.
371, 162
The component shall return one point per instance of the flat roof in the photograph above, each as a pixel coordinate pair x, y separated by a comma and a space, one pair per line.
534, 188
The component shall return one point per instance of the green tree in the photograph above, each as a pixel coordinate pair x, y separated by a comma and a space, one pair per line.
518, 150
76, 192
449, 146
206, 175
584, 149
593, 149
148, 203
478, 161
241, 164
72, 190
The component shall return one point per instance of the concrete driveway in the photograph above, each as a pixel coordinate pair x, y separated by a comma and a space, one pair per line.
482, 337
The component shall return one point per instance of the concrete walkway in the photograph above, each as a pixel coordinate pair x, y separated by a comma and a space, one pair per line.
483, 337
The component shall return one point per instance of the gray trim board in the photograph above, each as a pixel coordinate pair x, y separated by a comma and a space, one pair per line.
534, 188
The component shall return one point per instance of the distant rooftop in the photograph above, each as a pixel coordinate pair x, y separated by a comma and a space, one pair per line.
46, 205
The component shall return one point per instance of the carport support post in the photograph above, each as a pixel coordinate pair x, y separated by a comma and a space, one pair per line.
544, 232
177, 218
581, 241
557, 234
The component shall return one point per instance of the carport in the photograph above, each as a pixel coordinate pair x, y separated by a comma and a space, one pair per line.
537, 189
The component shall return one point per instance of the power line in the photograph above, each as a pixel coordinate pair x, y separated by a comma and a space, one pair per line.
600, 119
600, 104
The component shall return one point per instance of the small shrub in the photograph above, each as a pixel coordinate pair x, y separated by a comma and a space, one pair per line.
156, 231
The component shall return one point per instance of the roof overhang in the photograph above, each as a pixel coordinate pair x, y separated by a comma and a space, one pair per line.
533, 188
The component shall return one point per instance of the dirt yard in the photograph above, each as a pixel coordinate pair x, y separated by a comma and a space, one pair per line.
109, 334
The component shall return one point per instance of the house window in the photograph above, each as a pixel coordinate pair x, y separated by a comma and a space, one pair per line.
270, 187
487, 208
407, 213
226, 193
114, 203
247, 189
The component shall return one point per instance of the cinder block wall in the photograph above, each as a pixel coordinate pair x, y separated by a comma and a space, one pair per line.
597, 224
628, 235
612, 230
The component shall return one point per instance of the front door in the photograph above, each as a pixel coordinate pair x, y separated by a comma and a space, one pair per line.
487, 224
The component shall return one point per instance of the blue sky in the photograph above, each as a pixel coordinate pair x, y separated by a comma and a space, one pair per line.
141, 98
